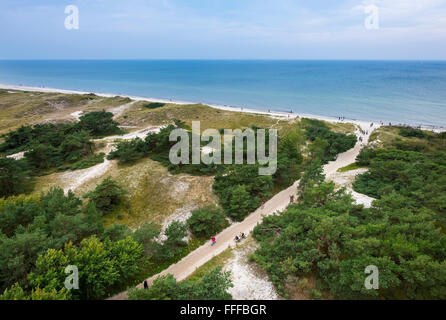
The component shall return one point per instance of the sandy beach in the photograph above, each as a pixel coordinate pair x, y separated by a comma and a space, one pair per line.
272, 113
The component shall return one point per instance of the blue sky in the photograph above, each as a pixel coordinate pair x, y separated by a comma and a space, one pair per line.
223, 29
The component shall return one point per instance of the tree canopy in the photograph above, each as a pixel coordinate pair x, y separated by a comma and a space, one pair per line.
212, 286
327, 236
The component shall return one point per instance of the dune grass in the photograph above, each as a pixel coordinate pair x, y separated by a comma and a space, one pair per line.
386, 136
341, 127
140, 116
23, 107
217, 261
350, 167
154, 194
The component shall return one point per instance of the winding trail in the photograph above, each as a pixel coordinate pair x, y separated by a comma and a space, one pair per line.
225, 239
348, 157
119, 110
79, 177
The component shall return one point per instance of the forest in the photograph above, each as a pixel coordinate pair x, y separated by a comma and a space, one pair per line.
51, 147
327, 237
42, 234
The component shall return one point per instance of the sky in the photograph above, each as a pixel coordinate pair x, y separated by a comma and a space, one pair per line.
223, 29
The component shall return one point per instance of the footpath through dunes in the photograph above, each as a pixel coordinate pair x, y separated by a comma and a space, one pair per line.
344, 159
225, 239
74, 179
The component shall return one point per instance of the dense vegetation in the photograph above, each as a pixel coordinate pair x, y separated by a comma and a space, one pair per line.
41, 235
154, 105
239, 187
241, 190
98, 124
51, 146
326, 143
207, 221
32, 224
329, 238
107, 196
157, 146
417, 175
15, 176
101, 265
212, 286
93, 124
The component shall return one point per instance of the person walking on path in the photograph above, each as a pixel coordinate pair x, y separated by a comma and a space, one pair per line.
146, 285
263, 204
213, 241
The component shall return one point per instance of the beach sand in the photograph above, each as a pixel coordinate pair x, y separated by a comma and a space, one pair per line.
274, 114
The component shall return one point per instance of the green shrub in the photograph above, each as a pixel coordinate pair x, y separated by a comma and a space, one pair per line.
174, 243
107, 195
154, 105
14, 176
364, 157
328, 143
412, 133
330, 237
213, 286
129, 151
99, 123
207, 221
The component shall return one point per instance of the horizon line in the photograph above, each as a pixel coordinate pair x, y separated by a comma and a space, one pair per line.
216, 59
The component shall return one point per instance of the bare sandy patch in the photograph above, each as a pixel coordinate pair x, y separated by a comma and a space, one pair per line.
346, 179
250, 282
136, 134
17, 156
180, 215
76, 114
118, 111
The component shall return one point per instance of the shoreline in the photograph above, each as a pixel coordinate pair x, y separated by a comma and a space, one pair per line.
272, 113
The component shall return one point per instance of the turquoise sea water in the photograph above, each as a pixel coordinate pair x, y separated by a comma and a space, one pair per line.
411, 92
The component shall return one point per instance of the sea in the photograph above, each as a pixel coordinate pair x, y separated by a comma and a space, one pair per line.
400, 92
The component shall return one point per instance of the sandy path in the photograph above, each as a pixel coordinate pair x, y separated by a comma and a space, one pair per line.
78, 177
250, 282
17, 156
273, 114
225, 239
135, 134
346, 158
279, 202
118, 111
77, 114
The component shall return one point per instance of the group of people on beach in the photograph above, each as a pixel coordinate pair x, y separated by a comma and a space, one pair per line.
364, 132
